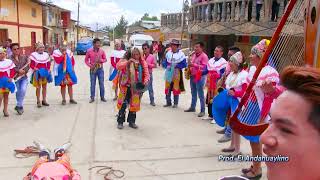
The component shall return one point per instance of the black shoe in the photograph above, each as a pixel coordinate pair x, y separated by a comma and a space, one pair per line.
133, 126
120, 126
64, 102
44, 103
72, 101
167, 105
91, 101
103, 100
190, 110
152, 104
20, 110
175, 106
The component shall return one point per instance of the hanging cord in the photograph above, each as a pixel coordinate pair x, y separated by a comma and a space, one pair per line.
107, 171
27, 152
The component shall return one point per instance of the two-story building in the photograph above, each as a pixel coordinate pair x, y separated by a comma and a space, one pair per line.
57, 25
21, 21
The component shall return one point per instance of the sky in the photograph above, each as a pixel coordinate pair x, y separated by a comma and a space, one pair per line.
108, 12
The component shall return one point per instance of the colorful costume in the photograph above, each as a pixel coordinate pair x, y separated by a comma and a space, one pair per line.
64, 74
60, 169
216, 68
7, 72
40, 64
259, 104
115, 58
133, 77
174, 63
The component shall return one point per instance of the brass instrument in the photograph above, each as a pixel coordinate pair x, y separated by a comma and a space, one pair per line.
187, 70
17, 77
221, 82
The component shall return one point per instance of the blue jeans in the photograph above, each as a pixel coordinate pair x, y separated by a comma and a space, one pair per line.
21, 85
93, 78
197, 90
150, 89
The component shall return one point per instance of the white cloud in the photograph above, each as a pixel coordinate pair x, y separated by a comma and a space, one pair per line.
103, 12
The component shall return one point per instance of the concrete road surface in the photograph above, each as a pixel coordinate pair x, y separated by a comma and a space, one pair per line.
169, 145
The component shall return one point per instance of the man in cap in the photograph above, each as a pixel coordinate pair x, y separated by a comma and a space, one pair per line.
174, 62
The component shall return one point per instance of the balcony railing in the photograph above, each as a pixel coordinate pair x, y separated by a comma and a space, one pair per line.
172, 20
236, 11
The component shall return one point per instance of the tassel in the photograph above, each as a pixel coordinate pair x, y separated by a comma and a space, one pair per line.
65, 64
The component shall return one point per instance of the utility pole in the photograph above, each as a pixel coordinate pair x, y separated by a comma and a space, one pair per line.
97, 28
78, 20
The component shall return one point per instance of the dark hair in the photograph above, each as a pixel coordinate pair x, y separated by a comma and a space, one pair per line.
305, 81
10, 40
220, 47
234, 49
127, 55
200, 43
14, 44
145, 44
95, 40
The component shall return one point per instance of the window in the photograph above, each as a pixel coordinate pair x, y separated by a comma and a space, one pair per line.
33, 12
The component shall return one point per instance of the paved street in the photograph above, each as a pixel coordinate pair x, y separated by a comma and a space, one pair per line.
169, 144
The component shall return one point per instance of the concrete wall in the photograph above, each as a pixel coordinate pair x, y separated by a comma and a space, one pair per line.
25, 13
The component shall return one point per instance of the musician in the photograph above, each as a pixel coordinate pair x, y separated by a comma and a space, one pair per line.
40, 65
152, 63
134, 78
22, 67
64, 72
94, 59
174, 63
198, 64
7, 73
216, 68
235, 87
295, 128
258, 107
116, 55
227, 132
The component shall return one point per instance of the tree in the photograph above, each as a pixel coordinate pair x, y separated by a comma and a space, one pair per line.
146, 17
121, 27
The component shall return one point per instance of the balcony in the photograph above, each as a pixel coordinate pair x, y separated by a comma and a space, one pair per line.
239, 17
173, 23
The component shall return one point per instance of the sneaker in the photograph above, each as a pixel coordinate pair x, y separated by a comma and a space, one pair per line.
120, 126
202, 114
103, 100
20, 110
213, 121
221, 131
153, 104
64, 102
64, 147
133, 126
91, 101
224, 139
190, 110
73, 101
207, 119
167, 105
